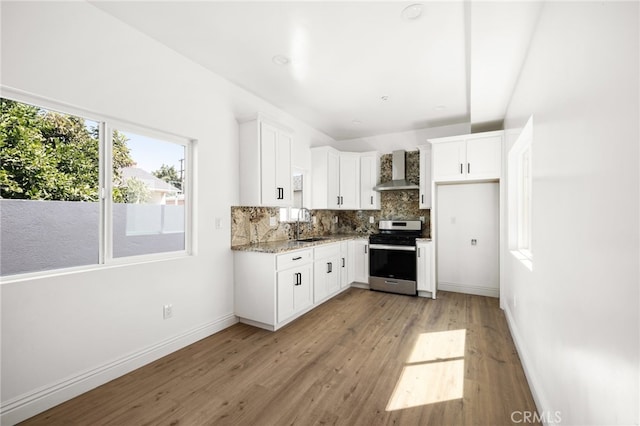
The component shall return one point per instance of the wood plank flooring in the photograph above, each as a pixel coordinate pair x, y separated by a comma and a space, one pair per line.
340, 364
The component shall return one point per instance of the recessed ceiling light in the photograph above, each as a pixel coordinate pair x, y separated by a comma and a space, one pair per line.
412, 12
356, 121
384, 98
280, 60
440, 107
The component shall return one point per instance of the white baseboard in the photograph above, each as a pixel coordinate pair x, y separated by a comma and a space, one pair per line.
28, 405
527, 365
469, 289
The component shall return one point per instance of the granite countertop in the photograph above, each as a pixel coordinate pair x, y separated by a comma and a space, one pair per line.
290, 245
423, 239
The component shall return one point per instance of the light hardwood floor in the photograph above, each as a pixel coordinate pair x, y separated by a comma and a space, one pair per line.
363, 358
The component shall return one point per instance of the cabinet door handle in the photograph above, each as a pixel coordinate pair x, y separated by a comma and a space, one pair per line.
338, 200
366, 249
298, 278
468, 168
460, 168
341, 200
422, 198
297, 258
419, 251
372, 200
329, 267
343, 262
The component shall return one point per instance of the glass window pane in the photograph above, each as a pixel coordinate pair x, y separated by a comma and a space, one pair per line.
148, 197
49, 179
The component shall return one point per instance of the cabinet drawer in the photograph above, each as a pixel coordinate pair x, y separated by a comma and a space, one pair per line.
329, 250
294, 258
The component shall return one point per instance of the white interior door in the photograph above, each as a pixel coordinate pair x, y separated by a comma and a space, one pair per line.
468, 231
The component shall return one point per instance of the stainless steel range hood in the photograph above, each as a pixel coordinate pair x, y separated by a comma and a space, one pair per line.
398, 176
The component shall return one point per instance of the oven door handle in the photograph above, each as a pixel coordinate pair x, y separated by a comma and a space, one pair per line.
388, 247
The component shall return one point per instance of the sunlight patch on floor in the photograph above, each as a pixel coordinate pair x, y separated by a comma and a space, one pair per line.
434, 371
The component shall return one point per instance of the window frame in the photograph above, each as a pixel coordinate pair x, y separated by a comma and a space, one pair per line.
106, 125
520, 196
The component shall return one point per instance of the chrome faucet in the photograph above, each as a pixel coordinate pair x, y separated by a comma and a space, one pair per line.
301, 209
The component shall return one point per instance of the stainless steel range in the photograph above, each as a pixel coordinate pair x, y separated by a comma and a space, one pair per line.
392, 256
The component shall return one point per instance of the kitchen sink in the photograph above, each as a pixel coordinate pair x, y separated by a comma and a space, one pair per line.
311, 240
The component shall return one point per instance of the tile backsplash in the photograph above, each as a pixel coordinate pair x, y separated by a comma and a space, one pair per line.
252, 224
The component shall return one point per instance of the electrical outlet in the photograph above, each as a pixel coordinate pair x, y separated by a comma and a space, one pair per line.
273, 221
167, 311
422, 219
371, 219
315, 220
335, 219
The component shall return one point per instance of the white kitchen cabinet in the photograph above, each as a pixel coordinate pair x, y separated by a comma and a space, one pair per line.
294, 291
326, 271
335, 178
424, 261
467, 158
271, 290
425, 177
346, 268
349, 180
265, 164
361, 261
369, 177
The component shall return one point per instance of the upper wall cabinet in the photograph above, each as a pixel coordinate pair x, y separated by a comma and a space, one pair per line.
369, 177
335, 178
468, 157
265, 164
425, 177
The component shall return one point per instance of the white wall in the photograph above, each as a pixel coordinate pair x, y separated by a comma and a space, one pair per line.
67, 333
408, 141
575, 316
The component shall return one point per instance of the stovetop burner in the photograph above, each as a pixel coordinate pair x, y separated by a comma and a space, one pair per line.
397, 232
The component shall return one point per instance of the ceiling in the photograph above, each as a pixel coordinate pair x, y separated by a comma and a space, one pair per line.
354, 69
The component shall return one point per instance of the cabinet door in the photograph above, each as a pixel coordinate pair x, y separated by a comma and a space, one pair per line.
349, 181
425, 179
484, 158
333, 180
345, 264
283, 170
268, 154
369, 177
326, 278
294, 291
361, 261
448, 161
424, 254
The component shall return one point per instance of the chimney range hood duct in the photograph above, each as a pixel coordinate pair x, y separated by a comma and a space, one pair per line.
398, 181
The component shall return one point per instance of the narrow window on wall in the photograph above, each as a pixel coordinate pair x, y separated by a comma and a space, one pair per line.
49, 198
520, 196
149, 196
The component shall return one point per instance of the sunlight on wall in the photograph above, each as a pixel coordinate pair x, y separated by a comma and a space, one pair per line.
434, 371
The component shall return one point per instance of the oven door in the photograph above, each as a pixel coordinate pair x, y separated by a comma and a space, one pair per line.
392, 268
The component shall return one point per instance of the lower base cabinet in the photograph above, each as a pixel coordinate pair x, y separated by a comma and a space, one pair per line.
295, 291
361, 261
424, 262
272, 290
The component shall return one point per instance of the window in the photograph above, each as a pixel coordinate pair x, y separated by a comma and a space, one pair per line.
520, 195
70, 196
148, 201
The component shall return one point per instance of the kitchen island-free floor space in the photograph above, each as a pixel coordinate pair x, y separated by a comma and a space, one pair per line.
362, 358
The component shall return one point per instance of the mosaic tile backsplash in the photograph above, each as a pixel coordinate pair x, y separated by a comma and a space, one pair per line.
251, 224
